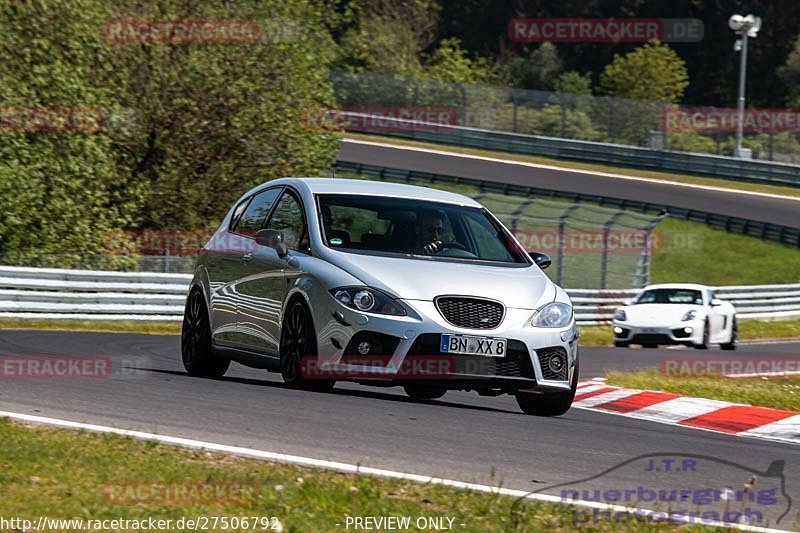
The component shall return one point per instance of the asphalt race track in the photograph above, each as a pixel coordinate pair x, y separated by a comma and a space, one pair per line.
761, 208
463, 436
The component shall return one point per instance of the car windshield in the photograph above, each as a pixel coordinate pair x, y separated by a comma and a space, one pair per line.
671, 296
382, 225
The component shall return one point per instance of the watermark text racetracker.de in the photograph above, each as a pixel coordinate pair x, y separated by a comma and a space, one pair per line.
47, 367
181, 31
179, 493
60, 120
740, 366
185, 523
381, 119
726, 120
605, 30
614, 240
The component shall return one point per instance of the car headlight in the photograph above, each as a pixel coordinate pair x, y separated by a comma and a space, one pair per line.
553, 315
690, 315
620, 315
368, 300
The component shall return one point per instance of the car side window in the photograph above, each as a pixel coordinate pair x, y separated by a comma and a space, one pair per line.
237, 213
288, 219
253, 218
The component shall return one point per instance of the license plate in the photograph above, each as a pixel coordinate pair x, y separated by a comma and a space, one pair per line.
467, 344
650, 330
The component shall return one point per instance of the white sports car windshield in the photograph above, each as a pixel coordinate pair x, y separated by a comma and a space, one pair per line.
413, 228
671, 296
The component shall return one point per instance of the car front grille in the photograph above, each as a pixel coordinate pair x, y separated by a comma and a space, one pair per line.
515, 364
471, 313
548, 372
651, 338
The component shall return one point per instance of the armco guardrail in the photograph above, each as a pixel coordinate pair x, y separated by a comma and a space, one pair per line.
753, 228
102, 295
91, 294
755, 171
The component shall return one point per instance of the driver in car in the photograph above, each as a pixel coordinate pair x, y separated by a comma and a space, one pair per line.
429, 232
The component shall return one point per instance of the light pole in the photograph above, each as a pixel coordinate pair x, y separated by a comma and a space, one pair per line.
744, 27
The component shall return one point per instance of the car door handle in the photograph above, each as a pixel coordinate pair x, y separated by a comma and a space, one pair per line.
247, 257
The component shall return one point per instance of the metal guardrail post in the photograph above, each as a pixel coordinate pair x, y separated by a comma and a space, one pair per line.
604, 261
518, 211
642, 276
562, 223
514, 106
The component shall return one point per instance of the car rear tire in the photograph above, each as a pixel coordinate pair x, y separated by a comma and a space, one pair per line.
704, 343
620, 344
731, 345
424, 392
298, 343
552, 404
197, 353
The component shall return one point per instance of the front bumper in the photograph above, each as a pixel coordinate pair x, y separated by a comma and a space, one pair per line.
686, 333
409, 350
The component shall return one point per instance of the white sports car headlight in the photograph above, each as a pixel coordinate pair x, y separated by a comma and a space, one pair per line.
620, 315
690, 315
553, 315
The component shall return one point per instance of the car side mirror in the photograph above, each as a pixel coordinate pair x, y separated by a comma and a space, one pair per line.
542, 260
715, 302
273, 239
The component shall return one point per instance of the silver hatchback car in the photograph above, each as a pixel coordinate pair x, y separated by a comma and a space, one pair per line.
327, 280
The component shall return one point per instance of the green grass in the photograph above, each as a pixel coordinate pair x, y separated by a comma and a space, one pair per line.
112, 326
63, 474
595, 336
590, 335
696, 253
777, 392
769, 329
663, 176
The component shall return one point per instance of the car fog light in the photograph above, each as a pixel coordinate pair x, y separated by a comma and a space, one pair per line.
364, 347
688, 330
556, 363
617, 330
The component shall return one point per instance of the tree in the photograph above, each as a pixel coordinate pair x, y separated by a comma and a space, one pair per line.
382, 46
187, 127
790, 75
573, 82
537, 71
651, 72
61, 187
450, 63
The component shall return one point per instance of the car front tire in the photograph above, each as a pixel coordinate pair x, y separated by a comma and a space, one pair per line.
298, 346
197, 353
550, 404
734, 339
704, 343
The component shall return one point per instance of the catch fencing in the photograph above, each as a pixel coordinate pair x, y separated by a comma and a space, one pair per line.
615, 131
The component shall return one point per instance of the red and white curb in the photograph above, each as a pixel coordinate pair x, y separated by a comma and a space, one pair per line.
711, 415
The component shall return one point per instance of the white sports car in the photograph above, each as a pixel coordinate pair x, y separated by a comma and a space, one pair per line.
676, 313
